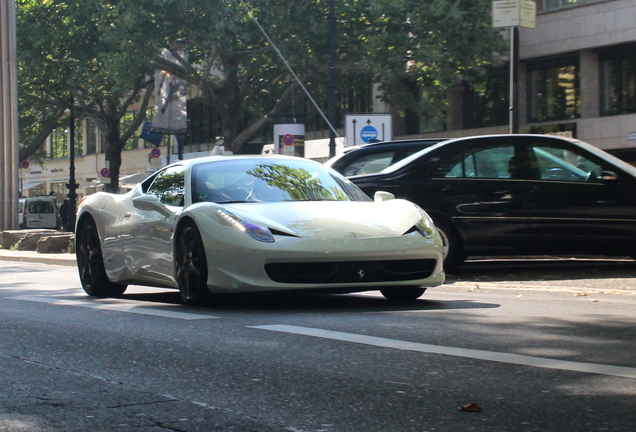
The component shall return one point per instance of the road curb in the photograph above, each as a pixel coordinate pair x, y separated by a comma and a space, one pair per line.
38, 258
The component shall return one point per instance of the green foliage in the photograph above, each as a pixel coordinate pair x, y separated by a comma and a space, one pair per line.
101, 53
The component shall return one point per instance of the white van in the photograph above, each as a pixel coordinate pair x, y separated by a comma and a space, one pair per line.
21, 203
41, 212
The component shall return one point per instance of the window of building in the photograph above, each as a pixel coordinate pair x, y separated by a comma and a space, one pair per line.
553, 90
127, 120
92, 137
59, 146
618, 80
204, 124
485, 99
38, 190
551, 5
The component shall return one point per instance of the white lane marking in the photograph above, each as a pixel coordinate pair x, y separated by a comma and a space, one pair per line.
618, 371
119, 305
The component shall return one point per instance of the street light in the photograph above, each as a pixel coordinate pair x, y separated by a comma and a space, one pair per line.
332, 78
72, 186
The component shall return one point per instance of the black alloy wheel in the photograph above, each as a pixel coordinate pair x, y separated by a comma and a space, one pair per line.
90, 264
191, 267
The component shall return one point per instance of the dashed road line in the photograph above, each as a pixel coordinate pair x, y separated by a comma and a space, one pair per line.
120, 305
565, 365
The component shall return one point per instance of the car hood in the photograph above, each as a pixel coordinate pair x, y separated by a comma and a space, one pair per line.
333, 219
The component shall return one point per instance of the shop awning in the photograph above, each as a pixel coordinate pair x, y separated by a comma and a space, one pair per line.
26, 186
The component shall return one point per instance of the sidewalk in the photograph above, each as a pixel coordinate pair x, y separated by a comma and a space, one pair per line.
63, 259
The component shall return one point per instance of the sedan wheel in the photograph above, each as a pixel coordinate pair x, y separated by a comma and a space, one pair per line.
402, 294
191, 267
90, 264
453, 251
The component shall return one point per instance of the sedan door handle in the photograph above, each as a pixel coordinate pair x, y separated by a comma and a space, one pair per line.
127, 215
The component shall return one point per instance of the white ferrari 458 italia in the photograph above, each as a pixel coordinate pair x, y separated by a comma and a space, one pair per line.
254, 223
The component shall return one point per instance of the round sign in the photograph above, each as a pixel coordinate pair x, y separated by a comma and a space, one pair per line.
368, 133
288, 139
24, 164
155, 152
105, 172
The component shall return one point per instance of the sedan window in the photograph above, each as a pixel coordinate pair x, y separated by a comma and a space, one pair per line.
492, 162
370, 164
556, 163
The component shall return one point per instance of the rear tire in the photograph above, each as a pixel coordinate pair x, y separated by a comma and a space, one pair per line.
90, 263
402, 294
191, 266
453, 249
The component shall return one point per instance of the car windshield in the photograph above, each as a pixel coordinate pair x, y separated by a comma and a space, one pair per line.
262, 180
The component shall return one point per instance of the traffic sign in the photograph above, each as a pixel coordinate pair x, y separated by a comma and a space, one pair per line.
105, 172
24, 164
155, 152
288, 139
363, 128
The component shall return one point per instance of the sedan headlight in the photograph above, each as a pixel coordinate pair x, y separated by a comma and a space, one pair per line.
257, 232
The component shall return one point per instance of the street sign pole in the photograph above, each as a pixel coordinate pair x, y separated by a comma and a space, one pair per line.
512, 14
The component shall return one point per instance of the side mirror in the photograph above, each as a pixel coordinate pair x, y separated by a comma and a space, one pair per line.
151, 203
380, 196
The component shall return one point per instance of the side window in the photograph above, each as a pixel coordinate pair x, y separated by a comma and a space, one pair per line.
491, 162
169, 186
370, 164
564, 164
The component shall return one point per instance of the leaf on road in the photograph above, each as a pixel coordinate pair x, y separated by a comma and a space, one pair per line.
473, 407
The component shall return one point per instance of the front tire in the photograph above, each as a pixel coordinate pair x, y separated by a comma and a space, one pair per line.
90, 263
191, 267
402, 294
453, 250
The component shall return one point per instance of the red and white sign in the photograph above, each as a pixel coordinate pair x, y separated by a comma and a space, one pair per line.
105, 172
288, 139
155, 152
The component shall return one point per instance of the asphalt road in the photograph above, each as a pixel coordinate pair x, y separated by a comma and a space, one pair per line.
535, 351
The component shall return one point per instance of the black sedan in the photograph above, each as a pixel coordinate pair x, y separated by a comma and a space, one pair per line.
503, 195
374, 157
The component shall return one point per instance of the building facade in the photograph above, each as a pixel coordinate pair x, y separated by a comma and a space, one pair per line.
577, 76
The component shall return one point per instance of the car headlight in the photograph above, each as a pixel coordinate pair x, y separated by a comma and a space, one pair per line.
257, 232
425, 225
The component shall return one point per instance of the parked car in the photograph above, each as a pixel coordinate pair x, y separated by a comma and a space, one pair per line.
246, 224
41, 212
374, 157
518, 195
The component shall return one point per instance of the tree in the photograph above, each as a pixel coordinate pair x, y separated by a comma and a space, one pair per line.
429, 43
76, 51
101, 53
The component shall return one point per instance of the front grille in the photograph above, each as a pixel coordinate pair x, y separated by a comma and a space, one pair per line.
351, 271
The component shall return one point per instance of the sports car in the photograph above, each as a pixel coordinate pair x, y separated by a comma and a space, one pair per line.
254, 223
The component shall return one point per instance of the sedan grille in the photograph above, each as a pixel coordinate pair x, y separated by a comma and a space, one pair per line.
351, 271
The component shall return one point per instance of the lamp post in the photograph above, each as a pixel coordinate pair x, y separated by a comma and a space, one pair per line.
332, 78
72, 186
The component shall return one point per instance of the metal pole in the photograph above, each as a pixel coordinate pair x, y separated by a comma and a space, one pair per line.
332, 77
72, 186
8, 117
514, 80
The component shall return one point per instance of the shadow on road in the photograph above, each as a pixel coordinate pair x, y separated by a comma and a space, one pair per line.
543, 268
310, 302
